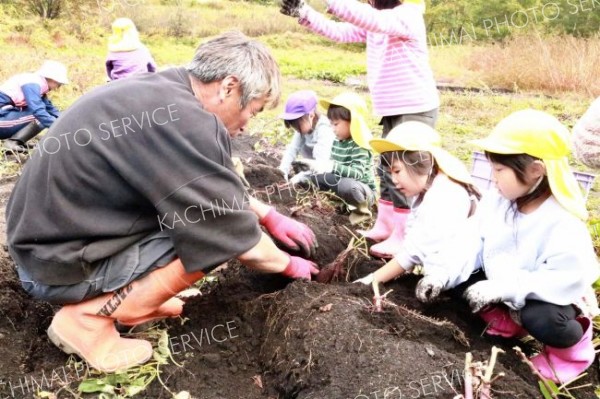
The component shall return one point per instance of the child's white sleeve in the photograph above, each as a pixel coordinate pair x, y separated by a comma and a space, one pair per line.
291, 152
325, 137
461, 255
444, 209
568, 269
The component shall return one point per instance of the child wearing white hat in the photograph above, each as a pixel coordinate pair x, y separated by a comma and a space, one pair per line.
25, 109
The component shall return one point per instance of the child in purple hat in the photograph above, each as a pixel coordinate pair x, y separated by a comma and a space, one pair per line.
313, 134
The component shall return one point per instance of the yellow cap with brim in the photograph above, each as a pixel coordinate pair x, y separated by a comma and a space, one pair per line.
359, 129
125, 36
542, 136
417, 136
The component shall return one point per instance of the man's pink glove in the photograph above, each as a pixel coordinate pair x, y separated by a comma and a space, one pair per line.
293, 234
300, 268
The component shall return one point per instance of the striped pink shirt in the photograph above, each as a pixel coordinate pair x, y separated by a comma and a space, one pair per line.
399, 76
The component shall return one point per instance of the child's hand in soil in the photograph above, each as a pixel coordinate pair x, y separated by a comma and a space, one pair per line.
317, 166
429, 288
291, 233
367, 280
300, 268
483, 293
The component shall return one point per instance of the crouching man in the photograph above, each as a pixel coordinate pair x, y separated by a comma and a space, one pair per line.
86, 221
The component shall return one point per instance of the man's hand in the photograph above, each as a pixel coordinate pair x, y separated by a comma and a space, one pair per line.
483, 293
291, 233
300, 268
291, 7
317, 166
367, 280
429, 288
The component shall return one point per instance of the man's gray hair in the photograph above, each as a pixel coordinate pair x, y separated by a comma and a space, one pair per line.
233, 53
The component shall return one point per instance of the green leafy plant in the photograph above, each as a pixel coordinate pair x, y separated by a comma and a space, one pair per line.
135, 380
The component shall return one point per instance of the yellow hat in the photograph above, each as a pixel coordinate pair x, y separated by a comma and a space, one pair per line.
540, 135
125, 36
420, 3
358, 111
418, 136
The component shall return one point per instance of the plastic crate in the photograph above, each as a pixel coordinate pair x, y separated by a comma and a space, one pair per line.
482, 175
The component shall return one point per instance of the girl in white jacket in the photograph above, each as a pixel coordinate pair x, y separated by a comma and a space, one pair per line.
525, 261
439, 188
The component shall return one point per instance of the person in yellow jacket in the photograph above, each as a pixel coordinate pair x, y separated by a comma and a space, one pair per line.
525, 262
127, 55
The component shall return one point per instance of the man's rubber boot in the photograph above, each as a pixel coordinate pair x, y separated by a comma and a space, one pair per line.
160, 290
16, 143
172, 307
383, 226
361, 213
499, 322
88, 330
388, 248
561, 365
79, 329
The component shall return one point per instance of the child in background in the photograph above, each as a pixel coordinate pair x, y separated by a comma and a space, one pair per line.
526, 262
399, 76
313, 135
586, 137
349, 172
439, 187
127, 55
25, 109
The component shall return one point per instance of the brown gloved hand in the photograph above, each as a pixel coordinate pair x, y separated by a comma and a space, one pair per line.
239, 169
291, 7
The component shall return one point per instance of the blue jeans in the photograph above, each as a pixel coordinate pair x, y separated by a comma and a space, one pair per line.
14, 119
109, 274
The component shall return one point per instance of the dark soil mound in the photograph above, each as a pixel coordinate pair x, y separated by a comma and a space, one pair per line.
263, 336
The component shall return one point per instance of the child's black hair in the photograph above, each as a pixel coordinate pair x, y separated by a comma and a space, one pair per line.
295, 123
385, 4
519, 163
422, 163
337, 112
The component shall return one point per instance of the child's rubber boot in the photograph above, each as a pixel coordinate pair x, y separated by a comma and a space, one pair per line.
387, 249
383, 226
361, 213
563, 364
499, 322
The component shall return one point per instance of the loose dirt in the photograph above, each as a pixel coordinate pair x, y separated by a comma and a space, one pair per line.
264, 336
